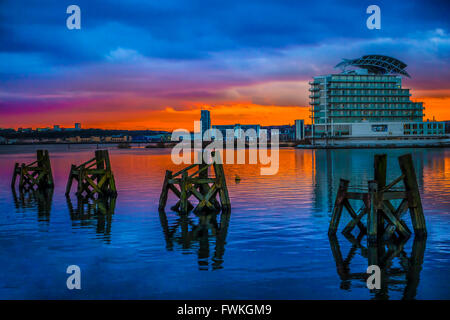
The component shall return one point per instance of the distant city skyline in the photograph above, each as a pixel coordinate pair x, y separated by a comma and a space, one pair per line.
154, 66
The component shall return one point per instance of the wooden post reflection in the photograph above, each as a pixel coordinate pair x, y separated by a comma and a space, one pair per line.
381, 253
201, 232
89, 210
40, 199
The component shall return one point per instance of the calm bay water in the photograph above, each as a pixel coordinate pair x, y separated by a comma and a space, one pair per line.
273, 245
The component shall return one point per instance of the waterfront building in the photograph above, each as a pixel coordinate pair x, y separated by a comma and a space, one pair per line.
205, 121
367, 101
77, 126
284, 132
299, 129
238, 130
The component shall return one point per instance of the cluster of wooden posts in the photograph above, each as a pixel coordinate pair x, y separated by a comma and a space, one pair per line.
96, 194
199, 185
94, 177
37, 174
383, 219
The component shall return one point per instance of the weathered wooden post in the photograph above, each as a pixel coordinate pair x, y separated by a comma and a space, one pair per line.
413, 195
165, 190
380, 168
338, 206
220, 176
184, 192
372, 219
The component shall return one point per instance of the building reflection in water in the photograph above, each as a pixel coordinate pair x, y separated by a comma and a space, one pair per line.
39, 199
186, 232
406, 275
356, 165
96, 212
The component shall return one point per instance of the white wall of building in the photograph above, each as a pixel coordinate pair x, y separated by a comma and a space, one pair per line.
366, 129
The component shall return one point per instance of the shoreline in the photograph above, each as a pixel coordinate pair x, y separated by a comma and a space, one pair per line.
366, 144
169, 145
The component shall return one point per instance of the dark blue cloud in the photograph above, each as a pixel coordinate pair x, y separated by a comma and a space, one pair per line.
179, 29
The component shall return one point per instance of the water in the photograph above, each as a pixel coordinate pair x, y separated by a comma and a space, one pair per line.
274, 245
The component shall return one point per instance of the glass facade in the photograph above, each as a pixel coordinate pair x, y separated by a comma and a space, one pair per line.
354, 98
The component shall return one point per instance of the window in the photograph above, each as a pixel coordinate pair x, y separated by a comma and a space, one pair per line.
379, 128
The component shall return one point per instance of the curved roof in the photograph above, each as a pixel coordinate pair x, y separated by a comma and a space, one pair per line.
376, 64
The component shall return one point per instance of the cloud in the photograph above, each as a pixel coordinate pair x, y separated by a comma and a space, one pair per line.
124, 55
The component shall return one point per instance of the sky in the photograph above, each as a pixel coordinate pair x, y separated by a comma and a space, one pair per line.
147, 64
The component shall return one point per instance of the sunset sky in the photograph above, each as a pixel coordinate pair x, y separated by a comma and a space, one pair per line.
153, 64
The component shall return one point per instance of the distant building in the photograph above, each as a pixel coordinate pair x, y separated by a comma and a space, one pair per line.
56, 127
77, 126
447, 126
367, 102
238, 131
285, 132
299, 129
205, 121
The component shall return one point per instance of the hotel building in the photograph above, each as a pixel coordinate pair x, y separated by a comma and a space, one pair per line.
368, 102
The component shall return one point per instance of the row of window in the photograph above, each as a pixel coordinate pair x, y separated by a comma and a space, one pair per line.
378, 106
422, 132
375, 113
370, 99
363, 85
351, 85
344, 119
371, 92
363, 78
415, 126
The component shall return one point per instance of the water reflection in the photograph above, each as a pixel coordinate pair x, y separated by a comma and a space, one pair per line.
398, 270
187, 232
31, 198
276, 248
96, 212
356, 165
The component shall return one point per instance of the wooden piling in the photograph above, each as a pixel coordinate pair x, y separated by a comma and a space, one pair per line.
380, 171
183, 194
372, 219
223, 191
165, 190
338, 206
413, 195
